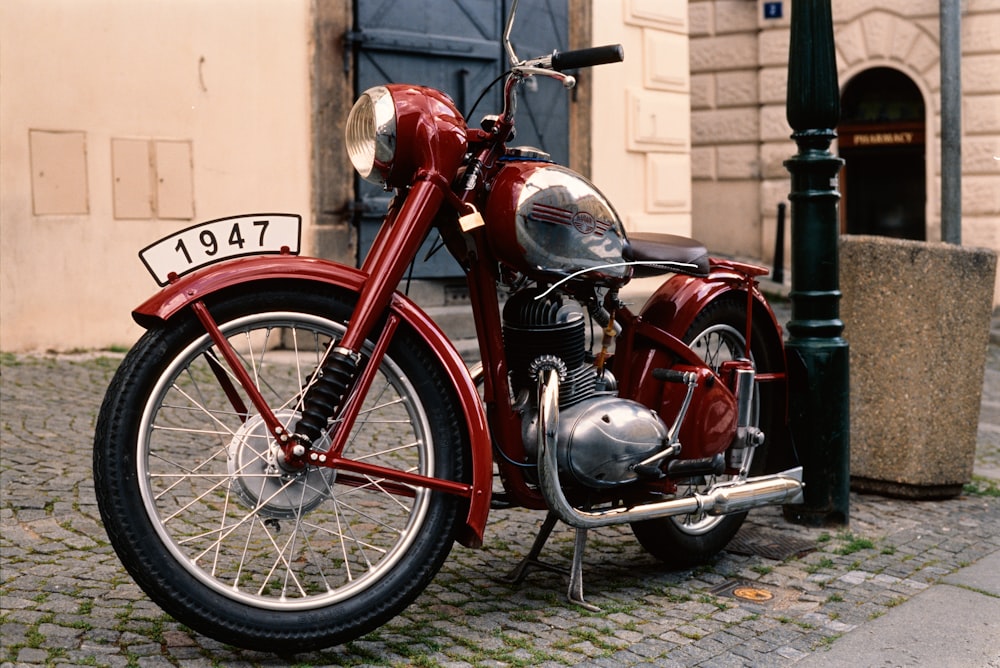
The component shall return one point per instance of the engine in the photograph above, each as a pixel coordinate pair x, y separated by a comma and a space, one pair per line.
601, 437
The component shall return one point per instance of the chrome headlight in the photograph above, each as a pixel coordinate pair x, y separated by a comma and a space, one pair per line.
371, 134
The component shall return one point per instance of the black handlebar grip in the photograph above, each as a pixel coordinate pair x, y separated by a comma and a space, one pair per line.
595, 55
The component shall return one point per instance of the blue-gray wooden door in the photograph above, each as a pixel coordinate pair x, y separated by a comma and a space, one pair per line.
455, 46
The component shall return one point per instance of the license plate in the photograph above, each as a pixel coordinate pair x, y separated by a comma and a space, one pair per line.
217, 240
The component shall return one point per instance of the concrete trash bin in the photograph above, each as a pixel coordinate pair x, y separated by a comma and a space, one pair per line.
917, 318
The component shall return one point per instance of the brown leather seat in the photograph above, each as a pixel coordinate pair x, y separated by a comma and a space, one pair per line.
677, 254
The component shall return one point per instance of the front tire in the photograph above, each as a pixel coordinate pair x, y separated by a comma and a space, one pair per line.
213, 527
685, 541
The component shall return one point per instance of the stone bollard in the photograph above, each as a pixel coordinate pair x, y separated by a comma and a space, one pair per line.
917, 317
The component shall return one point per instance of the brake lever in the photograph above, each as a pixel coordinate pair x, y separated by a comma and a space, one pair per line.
530, 68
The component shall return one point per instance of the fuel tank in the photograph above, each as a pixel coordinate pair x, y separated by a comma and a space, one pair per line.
548, 222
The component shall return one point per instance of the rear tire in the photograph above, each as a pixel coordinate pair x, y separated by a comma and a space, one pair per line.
684, 541
231, 543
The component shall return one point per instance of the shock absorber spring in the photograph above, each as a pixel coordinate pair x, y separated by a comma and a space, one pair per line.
324, 398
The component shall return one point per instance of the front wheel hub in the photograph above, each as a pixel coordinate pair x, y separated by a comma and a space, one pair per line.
264, 482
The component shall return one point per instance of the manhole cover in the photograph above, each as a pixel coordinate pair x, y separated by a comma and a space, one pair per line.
752, 594
771, 597
767, 544
746, 591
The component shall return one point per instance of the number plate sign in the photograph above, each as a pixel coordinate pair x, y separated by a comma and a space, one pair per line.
222, 239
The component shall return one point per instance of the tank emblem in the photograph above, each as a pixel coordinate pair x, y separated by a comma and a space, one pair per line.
582, 221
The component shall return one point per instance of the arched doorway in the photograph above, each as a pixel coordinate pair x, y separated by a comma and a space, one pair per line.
882, 140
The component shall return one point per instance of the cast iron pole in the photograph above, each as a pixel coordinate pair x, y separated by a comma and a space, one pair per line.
817, 353
951, 122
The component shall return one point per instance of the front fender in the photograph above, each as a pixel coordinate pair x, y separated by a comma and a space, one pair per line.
199, 285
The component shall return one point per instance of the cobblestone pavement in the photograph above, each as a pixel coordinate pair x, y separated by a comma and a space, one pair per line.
67, 601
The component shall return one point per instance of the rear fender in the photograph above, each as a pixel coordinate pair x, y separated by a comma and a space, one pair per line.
671, 311
254, 270
680, 299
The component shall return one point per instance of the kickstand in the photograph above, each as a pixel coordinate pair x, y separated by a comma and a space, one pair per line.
575, 591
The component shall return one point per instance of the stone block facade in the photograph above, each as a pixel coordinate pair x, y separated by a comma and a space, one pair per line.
741, 136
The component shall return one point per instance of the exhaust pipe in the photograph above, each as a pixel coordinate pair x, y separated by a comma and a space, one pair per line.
723, 499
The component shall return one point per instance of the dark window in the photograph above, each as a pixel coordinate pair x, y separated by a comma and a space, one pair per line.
882, 140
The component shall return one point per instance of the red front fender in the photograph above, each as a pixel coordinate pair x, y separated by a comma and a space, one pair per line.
196, 286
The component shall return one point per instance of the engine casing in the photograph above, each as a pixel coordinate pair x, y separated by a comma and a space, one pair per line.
547, 222
601, 436
601, 439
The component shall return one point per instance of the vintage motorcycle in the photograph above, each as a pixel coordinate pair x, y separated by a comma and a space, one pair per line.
285, 458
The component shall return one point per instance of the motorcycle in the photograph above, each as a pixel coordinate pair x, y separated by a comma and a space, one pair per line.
285, 458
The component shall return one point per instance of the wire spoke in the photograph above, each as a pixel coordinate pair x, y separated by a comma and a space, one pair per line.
242, 520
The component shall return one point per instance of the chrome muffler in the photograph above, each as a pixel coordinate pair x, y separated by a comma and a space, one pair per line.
723, 499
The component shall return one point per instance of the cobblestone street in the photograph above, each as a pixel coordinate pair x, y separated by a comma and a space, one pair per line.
66, 600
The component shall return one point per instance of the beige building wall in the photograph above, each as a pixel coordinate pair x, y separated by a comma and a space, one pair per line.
641, 142
123, 121
740, 137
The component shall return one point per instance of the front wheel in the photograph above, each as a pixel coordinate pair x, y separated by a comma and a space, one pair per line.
215, 528
683, 541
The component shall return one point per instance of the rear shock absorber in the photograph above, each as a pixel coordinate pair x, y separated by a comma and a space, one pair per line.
324, 398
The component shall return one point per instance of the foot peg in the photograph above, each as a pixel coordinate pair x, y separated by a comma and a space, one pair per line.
683, 468
687, 468
649, 472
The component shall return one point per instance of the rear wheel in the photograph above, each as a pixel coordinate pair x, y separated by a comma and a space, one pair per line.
207, 518
683, 541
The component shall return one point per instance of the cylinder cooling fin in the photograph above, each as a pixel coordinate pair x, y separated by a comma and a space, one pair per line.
547, 327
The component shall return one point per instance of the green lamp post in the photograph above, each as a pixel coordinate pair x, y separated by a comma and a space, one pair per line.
818, 365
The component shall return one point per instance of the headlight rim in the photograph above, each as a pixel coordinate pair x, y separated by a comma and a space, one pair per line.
370, 135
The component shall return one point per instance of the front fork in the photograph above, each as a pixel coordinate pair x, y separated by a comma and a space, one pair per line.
395, 245
339, 386
296, 454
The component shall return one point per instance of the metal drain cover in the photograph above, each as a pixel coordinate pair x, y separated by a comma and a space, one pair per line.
747, 591
768, 544
769, 596
752, 593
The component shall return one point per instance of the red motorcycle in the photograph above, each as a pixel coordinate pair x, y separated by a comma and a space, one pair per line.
285, 458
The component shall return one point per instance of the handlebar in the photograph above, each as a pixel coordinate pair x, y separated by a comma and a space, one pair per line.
552, 66
590, 57
568, 60
549, 66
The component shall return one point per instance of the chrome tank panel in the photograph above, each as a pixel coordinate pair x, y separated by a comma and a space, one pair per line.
547, 221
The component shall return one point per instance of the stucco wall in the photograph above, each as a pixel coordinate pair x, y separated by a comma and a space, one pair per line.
228, 78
